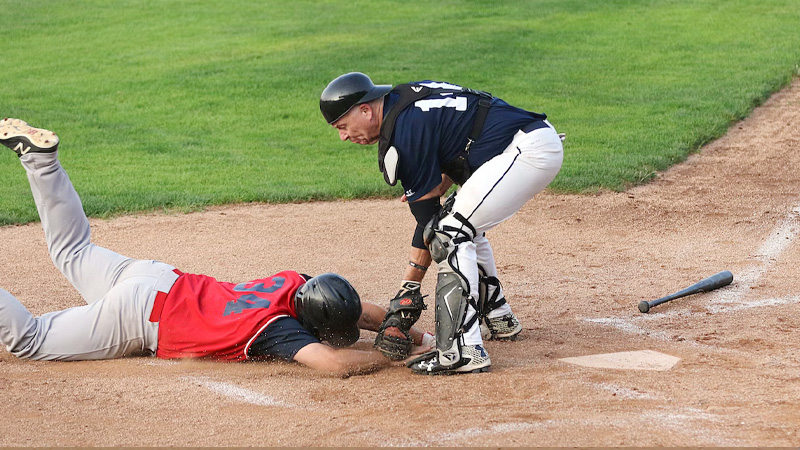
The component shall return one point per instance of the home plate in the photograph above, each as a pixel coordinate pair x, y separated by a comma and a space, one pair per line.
637, 360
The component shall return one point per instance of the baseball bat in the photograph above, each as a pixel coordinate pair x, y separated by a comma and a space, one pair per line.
706, 285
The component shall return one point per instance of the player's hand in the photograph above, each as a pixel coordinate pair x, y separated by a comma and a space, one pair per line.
428, 344
428, 341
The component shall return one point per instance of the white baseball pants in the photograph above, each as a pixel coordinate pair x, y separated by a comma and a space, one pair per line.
493, 193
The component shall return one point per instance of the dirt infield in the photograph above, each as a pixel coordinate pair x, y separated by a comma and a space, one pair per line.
574, 269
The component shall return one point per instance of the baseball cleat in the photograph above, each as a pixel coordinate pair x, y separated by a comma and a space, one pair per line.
23, 138
503, 328
474, 359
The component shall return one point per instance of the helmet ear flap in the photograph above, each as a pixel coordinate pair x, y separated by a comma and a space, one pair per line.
299, 306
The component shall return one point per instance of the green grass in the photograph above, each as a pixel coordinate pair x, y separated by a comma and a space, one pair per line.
182, 104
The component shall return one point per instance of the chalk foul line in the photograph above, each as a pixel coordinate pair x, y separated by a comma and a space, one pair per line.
730, 298
237, 393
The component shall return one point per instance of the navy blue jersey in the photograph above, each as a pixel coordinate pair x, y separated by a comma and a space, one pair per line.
281, 339
435, 130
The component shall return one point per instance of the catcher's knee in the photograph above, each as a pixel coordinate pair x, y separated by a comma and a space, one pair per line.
443, 240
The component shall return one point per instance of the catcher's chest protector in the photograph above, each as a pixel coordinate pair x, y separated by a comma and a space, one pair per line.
410, 94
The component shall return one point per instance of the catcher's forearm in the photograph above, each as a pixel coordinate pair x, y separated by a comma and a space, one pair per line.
420, 257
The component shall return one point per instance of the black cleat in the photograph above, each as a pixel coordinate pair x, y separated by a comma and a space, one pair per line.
23, 138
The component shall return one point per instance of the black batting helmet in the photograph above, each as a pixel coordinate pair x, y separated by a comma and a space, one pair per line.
329, 307
346, 91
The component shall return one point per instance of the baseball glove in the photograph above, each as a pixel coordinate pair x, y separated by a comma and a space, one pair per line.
394, 334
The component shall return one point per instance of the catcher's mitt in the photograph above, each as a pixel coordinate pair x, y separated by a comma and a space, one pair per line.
394, 334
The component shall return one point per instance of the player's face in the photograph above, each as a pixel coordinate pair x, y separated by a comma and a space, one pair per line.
360, 125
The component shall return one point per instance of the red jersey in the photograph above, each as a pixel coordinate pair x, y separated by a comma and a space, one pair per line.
206, 318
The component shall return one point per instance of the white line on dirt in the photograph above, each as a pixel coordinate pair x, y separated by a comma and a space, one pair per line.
474, 432
683, 420
628, 327
755, 304
778, 240
680, 416
494, 429
237, 393
730, 298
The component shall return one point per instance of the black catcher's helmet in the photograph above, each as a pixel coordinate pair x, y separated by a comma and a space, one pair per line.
329, 307
346, 91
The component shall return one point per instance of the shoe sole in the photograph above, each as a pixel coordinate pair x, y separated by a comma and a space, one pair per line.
23, 138
478, 370
512, 337
506, 337
460, 370
456, 371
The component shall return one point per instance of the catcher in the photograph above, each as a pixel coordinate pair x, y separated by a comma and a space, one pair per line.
432, 135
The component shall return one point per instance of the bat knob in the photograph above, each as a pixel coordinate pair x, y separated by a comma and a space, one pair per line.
644, 306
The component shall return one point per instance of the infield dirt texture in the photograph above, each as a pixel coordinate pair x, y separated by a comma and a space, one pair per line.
574, 268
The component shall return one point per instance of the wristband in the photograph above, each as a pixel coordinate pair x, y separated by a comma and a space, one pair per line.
417, 266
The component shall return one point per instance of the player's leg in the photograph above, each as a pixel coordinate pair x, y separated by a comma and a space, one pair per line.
115, 326
496, 190
501, 186
459, 347
17, 324
491, 292
500, 321
91, 269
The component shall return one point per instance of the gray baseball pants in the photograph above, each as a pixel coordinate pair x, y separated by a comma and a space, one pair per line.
119, 291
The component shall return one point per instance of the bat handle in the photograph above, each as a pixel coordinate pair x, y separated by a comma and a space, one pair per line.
644, 306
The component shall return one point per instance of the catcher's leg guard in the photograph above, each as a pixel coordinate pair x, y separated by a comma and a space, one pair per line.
451, 355
451, 307
506, 326
452, 298
452, 288
488, 293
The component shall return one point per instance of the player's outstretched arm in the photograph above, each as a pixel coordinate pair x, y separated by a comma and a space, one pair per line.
341, 361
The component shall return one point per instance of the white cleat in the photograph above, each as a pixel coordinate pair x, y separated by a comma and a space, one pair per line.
504, 328
23, 138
